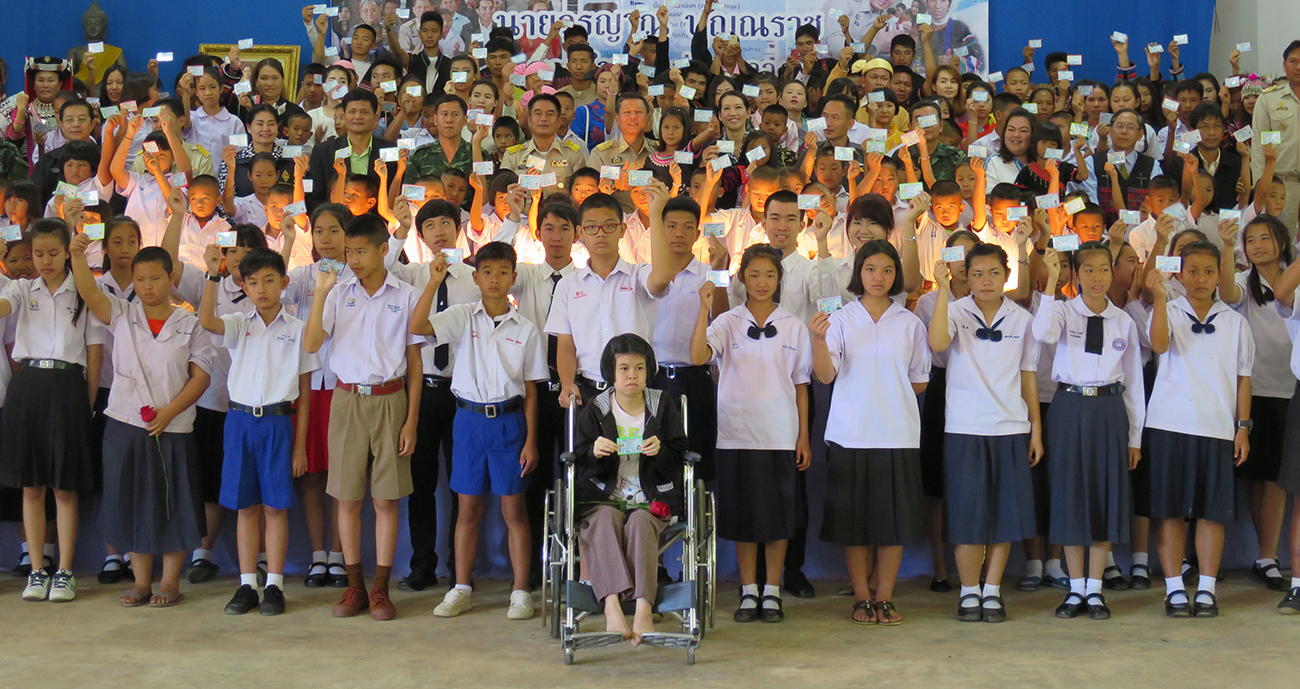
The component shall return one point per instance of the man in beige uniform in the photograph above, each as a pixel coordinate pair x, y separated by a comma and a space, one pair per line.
544, 152
1278, 110
631, 144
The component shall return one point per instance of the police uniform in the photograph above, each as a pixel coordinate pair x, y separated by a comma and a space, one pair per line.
616, 152
1278, 110
563, 158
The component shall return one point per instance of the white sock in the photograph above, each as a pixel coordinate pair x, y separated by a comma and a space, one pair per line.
1205, 585
1140, 558
201, 554
318, 556
970, 590
48, 550
25, 551
1110, 559
991, 590
1077, 586
261, 558
276, 580
770, 590
1033, 568
248, 580
114, 556
1174, 587
465, 589
1265, 563
1054, 569
1186, 567
126, 557
1094, 586
335, 558
748, 590
1295, 582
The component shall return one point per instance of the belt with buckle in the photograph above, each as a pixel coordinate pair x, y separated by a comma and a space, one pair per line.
671, 371
599, 385
491, 410
281, 409
384, 388
1095, 390
437, 382
51, 364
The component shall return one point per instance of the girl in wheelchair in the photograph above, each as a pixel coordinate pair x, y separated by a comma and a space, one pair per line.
628, 448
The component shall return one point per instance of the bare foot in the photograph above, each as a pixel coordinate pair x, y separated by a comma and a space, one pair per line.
614, 620
643, 622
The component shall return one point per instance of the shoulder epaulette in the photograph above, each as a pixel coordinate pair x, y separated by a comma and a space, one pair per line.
573, 145
604, 145
516, 148
1273, 88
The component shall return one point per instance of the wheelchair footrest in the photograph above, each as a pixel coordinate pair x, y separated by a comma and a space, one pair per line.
596, 639
669, 640
675, 597
580, 597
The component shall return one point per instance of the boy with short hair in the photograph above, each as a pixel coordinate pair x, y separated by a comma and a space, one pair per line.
199, 227
269, 371
499, 359
1163, 192
740, 223
376, 404
993, 226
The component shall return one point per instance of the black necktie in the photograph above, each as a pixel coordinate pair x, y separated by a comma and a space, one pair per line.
243, 295
987, 333
441, 353
1205, 328
551, 340
756, 332
1096, 335
1268, 294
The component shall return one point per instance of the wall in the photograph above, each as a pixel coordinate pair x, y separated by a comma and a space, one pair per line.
1239, 21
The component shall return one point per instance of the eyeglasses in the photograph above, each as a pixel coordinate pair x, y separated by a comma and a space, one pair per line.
601, 229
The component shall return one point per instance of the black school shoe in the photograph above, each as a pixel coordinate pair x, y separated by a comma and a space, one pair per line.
1290, 605
418, 581
338, 575
1071, 607
317, 578
1210, 609
1097, 608
744, 615
23, 569
1183, 609
940, 585
1112, 579
272, 601
1139, 577
245, 599
1271, 577
111, 574
970, 613
998, 614
202, 570
798, 585
771, 615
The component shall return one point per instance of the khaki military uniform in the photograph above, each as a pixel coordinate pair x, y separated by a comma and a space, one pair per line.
563, 158
617, 152
1278, 110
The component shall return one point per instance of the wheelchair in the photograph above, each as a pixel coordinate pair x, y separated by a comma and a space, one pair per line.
566, 602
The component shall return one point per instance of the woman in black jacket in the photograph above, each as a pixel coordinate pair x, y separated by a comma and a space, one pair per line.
629, 443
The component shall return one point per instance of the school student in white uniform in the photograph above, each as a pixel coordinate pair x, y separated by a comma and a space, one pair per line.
764, 358
1286, 287
742, 224
1094, 425
499, 361
870, 217
438, 223
1198, 422
995, 436
874, 482
607, 298
1272, 385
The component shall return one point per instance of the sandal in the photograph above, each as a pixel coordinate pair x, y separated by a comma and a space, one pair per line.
168, 599
134, 599
885, 610
866, 605
747, 614
970, 613
771, 615
1097, 608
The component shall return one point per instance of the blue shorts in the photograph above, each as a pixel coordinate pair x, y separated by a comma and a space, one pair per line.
258, 466
485, 455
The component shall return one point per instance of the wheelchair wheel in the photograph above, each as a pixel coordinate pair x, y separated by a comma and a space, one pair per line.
557, 607
545, 564
711, 542
690, 655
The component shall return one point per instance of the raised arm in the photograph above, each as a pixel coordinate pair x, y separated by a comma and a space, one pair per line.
662, 272
940, 338
1159, 313
700, 350
97, 302
1229, 292
314, 335
420, 324
823, 365
171, 239
208, 304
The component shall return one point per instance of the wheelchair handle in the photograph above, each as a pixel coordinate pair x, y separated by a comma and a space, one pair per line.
572, 411
688, 458
568, 458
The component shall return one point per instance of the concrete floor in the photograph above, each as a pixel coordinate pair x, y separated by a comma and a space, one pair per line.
195, 645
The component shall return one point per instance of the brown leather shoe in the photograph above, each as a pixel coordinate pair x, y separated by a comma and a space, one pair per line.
381, 606
353, 602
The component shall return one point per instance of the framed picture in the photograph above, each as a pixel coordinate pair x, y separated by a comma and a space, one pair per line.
289, 56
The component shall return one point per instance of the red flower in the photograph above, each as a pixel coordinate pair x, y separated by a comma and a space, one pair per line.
659, 510
147, 413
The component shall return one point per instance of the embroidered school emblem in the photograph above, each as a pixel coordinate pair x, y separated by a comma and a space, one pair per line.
1119, 344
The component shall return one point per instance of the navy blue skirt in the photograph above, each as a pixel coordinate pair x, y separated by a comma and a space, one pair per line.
46, 430
755, 492
873, 497
1288, 475
933, 418
1090, 498
1191, 476
989, 489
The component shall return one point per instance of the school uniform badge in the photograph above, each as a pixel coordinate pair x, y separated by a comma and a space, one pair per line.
1119, 344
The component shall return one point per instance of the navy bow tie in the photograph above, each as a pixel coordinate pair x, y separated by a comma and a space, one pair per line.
756, 332
991, 334
1206, 328
1268, 295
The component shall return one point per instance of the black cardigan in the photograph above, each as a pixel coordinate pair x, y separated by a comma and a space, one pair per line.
661, 475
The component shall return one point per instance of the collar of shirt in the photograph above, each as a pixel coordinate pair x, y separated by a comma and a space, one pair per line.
512, 314
222, 115
358, 155
969, 305
891, 311
1185, 306
253, 315
69, 283
390, 282
620, 267
1111, 311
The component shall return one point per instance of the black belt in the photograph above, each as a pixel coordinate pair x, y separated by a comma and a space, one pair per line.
491, 410
51, 364
671, 371
436, 382
281, 409
600, 385
1094, 390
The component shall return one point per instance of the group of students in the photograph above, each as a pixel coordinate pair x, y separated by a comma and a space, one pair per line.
1005, 349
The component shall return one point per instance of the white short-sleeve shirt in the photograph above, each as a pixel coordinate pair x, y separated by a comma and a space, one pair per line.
146, 205
149, 370
230, 299
370, 332
873, 404
45, 329
1196, 384
924, 309
983, 395
1271, 375
494, 357
109, 286
266, 358
592, 310
758, 378
195, 238
676, 313
461, 289
250, 210
1065, 325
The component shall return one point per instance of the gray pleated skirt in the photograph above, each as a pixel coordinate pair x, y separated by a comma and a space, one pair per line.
1090, 498
151, 498
1191, 476
873, 497
755, 492
989, 489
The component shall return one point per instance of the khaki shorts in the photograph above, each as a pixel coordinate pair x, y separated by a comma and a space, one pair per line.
363, 437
